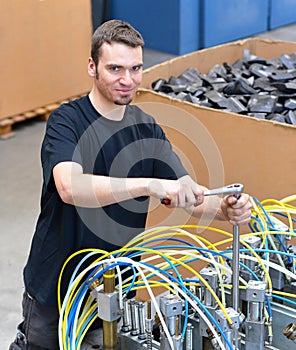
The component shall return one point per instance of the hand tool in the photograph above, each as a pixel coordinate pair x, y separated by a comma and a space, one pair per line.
230, 189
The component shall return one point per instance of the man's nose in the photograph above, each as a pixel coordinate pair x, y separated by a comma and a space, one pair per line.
126, 77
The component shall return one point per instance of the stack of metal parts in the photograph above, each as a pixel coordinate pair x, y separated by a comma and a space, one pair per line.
252, 86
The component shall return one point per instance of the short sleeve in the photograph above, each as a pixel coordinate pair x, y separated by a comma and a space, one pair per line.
60, 143
167, 164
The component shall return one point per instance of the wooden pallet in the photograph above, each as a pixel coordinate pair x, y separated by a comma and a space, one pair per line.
42, 114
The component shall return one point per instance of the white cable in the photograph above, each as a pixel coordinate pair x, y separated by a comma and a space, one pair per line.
189, 253
73, 332
177, 289
139, 267
65, 301
273, 265
193, 237
119, 283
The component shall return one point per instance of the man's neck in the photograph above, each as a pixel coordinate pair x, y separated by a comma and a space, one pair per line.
110, 111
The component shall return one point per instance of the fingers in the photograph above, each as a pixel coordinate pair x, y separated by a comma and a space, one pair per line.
181, 193
238, 210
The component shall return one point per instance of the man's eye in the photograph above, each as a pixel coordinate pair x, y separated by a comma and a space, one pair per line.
114, 69
136, 68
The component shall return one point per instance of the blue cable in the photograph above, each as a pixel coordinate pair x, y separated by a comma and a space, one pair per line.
284, 299
257, 221
270, 252
187, 291
185, 320
84, 287
87, 321
79, 265
133, 280
269, 309
284, 215
264, 211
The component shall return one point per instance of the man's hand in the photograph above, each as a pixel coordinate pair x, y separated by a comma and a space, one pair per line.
237, 211
182, 193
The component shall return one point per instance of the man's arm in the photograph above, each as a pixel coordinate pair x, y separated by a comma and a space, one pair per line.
92, 191
86, 190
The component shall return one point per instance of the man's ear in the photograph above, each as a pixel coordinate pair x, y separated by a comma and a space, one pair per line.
91, 67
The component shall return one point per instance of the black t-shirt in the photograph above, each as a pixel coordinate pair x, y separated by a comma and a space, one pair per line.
136, 146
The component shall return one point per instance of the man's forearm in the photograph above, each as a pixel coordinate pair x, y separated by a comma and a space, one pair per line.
98, 191
92, 191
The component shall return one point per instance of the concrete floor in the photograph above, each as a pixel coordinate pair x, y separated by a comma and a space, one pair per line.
20, 186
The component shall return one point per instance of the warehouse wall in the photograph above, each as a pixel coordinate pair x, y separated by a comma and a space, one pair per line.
182, 26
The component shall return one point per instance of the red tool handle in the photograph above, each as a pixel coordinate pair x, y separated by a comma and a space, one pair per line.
165, 201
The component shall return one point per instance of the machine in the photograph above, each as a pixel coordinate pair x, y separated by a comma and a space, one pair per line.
238, 293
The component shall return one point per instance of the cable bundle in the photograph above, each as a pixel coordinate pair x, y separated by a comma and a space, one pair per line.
165, 251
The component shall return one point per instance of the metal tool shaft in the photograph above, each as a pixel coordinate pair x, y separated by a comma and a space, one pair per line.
235, 274
235, 268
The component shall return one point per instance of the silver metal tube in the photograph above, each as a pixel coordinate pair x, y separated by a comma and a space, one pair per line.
171, 324
126, 327
235, 278
255, 313
188, 337
141, 319
134, 330
235, 268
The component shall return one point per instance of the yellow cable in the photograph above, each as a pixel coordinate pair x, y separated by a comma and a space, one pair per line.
88, 313
269, 205
84, 332
289, 295
196, 238
89, 250
192, 271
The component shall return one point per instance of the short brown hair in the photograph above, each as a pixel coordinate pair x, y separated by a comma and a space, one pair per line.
114, 31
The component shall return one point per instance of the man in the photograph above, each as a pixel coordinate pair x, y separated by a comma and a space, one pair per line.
102, 159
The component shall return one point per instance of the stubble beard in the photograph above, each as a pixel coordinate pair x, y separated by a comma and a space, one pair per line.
125, 100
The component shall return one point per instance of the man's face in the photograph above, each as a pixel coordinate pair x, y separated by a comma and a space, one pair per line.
119, 73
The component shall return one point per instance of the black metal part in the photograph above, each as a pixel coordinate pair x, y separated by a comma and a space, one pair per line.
239, 87
277, 118
290, 103
288, 61
263, 84
252, 85
283, 75
291, 118
258, 115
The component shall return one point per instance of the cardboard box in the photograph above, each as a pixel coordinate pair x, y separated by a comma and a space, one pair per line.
220, 147
44, 50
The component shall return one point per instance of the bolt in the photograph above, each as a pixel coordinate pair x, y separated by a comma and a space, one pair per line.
134, 330
126, 327
142, 334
